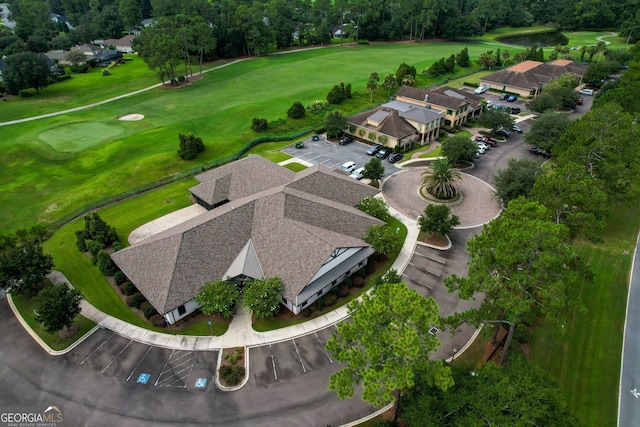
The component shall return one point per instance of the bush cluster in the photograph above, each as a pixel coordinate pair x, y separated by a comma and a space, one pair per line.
190, 146
128, 288
329, 299
157, 320
231, 375
83, 68
296, 111
339, 93
136, 300
149, 311
259, 124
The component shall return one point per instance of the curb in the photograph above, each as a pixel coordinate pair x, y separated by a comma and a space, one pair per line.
246, 372
440, 248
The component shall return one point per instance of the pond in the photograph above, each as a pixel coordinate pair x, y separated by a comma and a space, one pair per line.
550, 38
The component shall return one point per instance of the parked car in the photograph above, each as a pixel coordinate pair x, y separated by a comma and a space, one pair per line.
503, 96
540, 152
315, 138
374, 149
395, 157
383, 153
586, 92
512, 98
528, 102
503, 132
579, 101
482, 146
486, 140
488, 104
348, 167
481, 150
517, 128
515, 110
357, 174
480, 90
300, 144
346, 140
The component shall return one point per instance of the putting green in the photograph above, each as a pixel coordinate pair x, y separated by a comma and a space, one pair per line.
79, 136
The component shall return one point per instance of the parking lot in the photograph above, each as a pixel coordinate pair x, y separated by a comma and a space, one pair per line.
150, 366
275, 363
332, 155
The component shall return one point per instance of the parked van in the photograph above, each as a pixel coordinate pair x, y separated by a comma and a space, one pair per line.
586, 92
348, 167
480, 90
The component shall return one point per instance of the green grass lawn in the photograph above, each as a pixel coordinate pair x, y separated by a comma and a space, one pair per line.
585, 357
295, 166
26, 307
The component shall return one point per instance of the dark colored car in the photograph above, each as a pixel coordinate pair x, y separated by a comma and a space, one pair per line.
346, 140
517, 128
503, 97
512, 98
540, 152
315, 138
515, 110
579, 101
503, 132
383, 153
300, 144
395, 157
374, 149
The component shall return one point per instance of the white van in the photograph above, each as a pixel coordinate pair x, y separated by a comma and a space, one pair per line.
348, 167
586, 92
480, 90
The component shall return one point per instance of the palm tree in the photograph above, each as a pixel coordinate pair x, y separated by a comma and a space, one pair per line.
371, 86
441, 180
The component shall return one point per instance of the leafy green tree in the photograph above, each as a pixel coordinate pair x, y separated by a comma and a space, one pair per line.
437, 219
219, 297
521, 261
376, 207
190, 146
566, 80
296, 111
386, 345
438, 68
574, 198
459, 149
26, 70
106, 266
131, 13
373, 170
372, 85
441, 180
159, 47
96, 230
259, 124
598, 71
263, 296
547, 130
462, 58
75, 57
495, 119
23, 268
382, 238
450, 64
334, 123
390, 82
335, 95
57, 307
566, 97
516, 180
404, 70
490, 395
544, 102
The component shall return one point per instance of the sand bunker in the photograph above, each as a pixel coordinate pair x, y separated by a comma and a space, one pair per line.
132, 117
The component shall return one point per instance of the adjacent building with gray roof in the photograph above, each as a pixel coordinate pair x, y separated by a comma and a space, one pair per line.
262, 221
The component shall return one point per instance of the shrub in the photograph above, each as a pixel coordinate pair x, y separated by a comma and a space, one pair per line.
358, 281
335, 95
259, 125
369, 268
321, 304
190, 146
106, 266
119, 278
94, 248
306, 312
117, 246
361, 272
522, 334
92, 63
296, 111
348, 282
144, 305
128, 288
329, 299
157, 320
231, 375
63, 77
80, 241
136, 300
105, 72
233, 358
25, 93
149, 311
79, 68
343, 291
181, 79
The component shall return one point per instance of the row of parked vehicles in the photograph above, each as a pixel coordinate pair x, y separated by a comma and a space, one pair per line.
383, 152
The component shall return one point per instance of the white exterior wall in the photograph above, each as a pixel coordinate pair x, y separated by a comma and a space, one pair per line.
173, 316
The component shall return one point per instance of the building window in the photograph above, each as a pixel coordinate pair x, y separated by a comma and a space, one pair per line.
284, 300
319, 292
303, 304
181, 310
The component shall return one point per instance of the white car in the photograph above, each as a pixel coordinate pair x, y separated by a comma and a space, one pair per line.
348, 167
480, 90
489, 104
482, 147
586, 92
357, 174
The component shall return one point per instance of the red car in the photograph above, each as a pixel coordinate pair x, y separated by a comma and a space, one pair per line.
486, 140
579, 101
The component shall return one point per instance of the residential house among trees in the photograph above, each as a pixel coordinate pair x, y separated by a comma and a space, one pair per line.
260, 220
529, 77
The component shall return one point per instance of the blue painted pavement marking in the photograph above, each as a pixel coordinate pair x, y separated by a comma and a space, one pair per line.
200, 383
143, 378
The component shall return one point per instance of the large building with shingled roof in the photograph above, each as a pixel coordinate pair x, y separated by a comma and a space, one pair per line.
261, 221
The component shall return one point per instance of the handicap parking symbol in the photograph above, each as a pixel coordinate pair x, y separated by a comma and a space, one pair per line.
200, 383
143, 378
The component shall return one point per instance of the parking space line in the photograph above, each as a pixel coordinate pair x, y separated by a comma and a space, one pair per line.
177, 373
273, 363
193, 362
99, 347
323, 349
417, 282
164, 367
431, 258
425, 270
118, 355
299, 358
139, 362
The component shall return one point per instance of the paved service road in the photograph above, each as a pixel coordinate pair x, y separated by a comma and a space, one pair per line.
629, 401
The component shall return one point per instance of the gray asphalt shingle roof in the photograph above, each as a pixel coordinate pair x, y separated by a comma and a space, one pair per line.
293, 228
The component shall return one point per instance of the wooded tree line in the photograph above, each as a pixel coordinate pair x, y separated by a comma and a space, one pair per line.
253, 27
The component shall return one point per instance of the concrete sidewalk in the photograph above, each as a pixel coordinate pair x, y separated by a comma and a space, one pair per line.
240, 332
